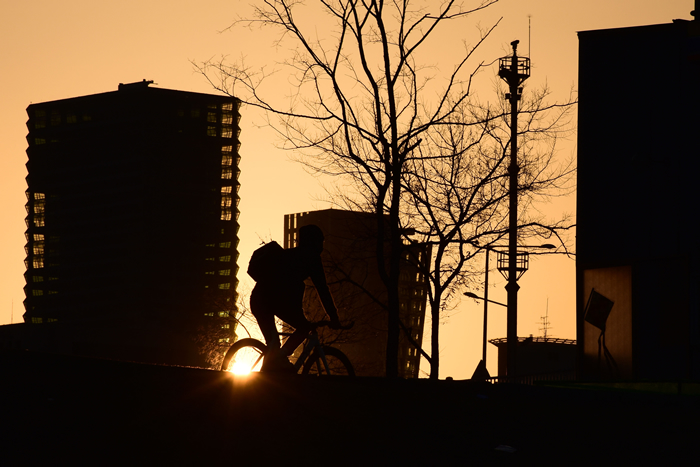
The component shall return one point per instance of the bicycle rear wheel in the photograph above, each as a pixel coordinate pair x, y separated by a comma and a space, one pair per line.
244, 356
338, 363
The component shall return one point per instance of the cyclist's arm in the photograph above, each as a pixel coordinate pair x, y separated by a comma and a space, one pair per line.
318, 277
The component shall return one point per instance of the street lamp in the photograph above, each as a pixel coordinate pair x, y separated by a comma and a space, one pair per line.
475, 296
503, 267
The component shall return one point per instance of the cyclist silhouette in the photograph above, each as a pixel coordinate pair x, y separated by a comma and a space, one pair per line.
283, 294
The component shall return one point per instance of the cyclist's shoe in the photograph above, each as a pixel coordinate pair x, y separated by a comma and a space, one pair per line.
277, 362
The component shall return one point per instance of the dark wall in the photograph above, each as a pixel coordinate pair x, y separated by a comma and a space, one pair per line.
638, 161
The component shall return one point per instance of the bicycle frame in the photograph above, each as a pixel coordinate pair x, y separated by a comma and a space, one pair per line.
312, 343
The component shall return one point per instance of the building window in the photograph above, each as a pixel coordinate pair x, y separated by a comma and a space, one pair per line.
37, 293
39, 206
38, 262
37, 278
55, 118
39, 220
211, 131
226, 214
226, 173
225, 326
225, 259
225, 245
226, 132
225, 286
71, 118
211, 117
37, 320
224, 272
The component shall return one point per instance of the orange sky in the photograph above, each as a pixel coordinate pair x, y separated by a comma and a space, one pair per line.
53, 50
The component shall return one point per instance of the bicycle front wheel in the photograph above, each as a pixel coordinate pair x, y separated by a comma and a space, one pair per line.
244, 356
338, 363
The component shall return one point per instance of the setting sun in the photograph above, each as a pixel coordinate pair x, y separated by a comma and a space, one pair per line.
241, 368
245, 361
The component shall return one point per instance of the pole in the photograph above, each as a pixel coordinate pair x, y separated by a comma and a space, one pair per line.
512, 286
486, 306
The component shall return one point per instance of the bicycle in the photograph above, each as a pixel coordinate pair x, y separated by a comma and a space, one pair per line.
315, 358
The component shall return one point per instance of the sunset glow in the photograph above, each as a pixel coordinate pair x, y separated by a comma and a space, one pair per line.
61, 50
241, 368
246, 361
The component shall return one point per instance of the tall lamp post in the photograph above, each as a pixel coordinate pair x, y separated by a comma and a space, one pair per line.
485, 298
513, 70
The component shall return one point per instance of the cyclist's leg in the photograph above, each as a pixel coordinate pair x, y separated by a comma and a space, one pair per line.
263, 310
265, 316
295, 318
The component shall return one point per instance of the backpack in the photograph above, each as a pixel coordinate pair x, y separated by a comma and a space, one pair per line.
266, 262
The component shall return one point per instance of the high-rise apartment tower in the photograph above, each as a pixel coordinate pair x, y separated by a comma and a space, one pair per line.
132, 227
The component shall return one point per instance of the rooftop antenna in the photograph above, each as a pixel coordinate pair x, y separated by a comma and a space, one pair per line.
529, 34
545, 321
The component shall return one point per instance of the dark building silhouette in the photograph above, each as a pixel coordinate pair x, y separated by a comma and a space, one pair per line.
638, 297
132, 224
539, 358
351, 268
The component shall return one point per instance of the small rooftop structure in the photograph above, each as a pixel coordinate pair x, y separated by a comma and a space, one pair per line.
538, 356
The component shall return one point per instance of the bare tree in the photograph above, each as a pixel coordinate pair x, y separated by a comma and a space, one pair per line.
216, 331
456, 188
417, 152
363, 102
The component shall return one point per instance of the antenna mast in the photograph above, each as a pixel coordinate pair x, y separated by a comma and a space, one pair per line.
529, 35
513, 70
545, 321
